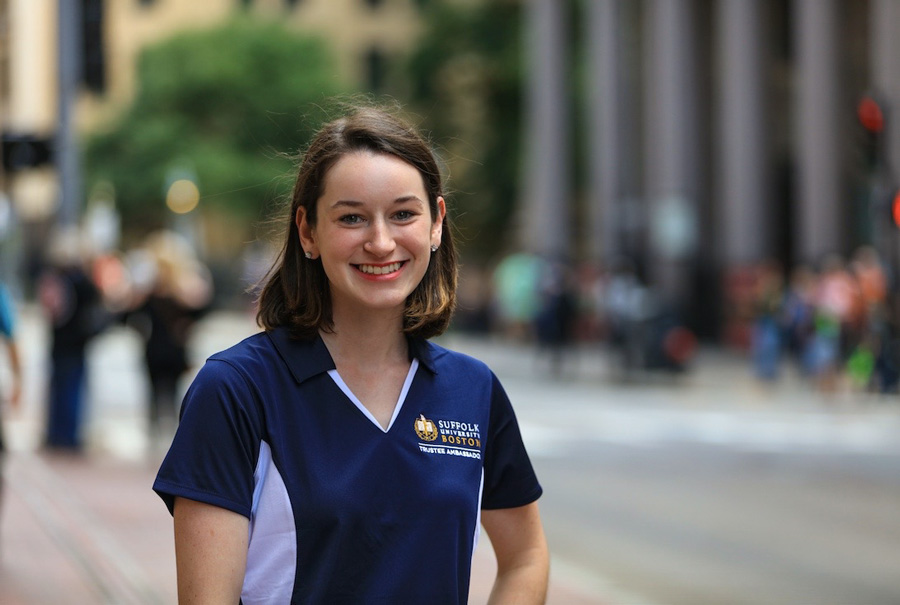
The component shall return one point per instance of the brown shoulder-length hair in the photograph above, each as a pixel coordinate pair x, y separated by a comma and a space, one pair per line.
296, 291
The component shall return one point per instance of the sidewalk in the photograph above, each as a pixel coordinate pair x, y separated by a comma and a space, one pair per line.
88, 529
83, 530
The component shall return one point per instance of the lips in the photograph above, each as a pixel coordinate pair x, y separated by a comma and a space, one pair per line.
380, 269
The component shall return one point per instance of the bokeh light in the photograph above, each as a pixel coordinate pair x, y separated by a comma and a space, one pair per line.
183, 196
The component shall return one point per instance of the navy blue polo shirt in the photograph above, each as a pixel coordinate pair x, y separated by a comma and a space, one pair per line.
342, 510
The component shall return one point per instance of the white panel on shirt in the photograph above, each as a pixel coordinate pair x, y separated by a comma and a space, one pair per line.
272, 552
406, 384
478, 514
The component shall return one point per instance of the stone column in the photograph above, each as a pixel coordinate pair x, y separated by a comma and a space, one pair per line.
545, 210
670, 144
603, 116
885, 70
884, 55
744, 228
614, 167
818, 190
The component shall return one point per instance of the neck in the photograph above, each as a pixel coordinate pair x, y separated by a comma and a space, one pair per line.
367, 339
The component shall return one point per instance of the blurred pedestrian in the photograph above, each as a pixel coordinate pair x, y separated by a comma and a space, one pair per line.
837, 304
516, 282
874, 363
798, 315
766, 338
590, 291
178, 292
557, 313
13, 391
338, 456
628, 307
74, 308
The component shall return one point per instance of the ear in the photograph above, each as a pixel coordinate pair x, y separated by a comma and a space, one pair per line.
306, 232
437, 228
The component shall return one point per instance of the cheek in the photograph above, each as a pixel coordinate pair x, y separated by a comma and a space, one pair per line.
332, 274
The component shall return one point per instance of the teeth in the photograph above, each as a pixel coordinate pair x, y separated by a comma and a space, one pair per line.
373, 270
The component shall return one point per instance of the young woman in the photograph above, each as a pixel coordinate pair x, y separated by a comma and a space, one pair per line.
338, 456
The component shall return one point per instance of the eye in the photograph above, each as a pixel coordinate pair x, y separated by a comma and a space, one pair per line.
404, 215
350, 219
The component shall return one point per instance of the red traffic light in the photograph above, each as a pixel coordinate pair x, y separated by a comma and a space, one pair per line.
870, 115
895, 208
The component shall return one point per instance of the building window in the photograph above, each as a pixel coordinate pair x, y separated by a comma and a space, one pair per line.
376, 69
146, 3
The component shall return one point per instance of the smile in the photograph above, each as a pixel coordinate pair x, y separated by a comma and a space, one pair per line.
380, 269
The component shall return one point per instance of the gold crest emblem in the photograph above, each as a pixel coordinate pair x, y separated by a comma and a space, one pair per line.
425, 428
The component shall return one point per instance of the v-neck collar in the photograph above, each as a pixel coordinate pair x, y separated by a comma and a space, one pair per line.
308, 358
413, 366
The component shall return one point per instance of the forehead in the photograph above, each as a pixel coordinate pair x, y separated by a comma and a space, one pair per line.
371, 171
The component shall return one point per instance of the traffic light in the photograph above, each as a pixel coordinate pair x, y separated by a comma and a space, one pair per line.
21, 151
871, 117
895, 208
93, 61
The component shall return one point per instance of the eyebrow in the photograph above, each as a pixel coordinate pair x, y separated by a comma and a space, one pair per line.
356, 204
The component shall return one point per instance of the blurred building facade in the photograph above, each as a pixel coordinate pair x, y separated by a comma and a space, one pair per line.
719, 133
363, 34
69, 66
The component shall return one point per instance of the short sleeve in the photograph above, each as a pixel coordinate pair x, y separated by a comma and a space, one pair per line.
213, 456
509, 478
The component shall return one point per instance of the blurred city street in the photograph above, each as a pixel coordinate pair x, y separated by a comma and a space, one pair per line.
706, 487
675, 226
711, 488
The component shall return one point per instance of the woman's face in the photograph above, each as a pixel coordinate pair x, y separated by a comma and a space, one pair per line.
373, 233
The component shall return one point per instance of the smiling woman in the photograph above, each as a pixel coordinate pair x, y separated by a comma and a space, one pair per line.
380, 141
322, 460
374, 233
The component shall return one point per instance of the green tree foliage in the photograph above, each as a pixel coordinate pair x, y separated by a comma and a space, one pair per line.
466, 78
227, 106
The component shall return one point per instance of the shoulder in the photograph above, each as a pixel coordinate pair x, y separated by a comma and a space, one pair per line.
273, 357
236, 379
249, 351
461, 373
454, 363
251, 357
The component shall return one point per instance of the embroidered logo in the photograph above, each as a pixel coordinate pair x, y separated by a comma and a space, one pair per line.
425, 429
449, 437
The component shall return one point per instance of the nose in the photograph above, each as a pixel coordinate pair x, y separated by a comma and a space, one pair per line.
381, 240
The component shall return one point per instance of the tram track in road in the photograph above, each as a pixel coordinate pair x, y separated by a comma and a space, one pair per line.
80, 535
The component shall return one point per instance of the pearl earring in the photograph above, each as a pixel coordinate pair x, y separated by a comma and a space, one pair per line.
308, 254
434, 247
